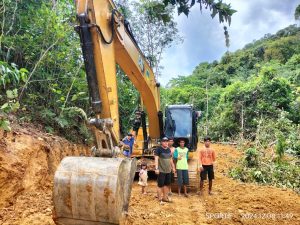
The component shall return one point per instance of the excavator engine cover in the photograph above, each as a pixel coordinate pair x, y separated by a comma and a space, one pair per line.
91, 190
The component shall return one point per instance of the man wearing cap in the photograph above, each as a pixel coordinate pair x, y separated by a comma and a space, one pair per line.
128, 142
163, 167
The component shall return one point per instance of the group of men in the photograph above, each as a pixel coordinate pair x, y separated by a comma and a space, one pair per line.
170, 160
166, 157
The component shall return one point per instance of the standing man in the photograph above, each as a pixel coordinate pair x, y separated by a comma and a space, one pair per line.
172, 148
181, 156
163, 167
128, 142
171, 143
207, 157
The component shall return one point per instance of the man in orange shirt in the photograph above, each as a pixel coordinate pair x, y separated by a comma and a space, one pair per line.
207, 157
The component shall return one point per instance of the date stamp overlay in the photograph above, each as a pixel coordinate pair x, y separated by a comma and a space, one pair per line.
250, 216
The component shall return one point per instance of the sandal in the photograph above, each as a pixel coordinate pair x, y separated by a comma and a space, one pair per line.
161, 202
166, 200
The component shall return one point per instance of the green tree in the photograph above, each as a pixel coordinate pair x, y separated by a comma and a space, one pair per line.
39, 36
224, 10
153, 34
297, 13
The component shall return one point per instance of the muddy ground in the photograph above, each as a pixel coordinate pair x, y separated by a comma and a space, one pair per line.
28, 160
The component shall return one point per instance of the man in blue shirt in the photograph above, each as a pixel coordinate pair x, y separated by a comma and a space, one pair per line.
128, 142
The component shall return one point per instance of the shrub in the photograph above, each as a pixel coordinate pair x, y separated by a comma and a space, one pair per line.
251, 157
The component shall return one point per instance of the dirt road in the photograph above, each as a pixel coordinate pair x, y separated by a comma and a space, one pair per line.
28, 159
233, 202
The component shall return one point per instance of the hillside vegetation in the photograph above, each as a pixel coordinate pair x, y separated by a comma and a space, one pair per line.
253, 93
252, 97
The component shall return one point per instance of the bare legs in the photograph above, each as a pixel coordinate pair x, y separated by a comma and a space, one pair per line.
163, 192
159, 193
201, 186
184, 189
143, 190
209, 186
185, 192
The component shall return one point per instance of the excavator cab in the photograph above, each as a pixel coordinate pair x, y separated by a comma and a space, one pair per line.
181, 123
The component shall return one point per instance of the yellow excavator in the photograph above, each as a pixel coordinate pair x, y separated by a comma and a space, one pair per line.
96, 190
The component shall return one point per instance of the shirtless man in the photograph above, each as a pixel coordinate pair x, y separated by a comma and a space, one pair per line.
171, 143
207, 157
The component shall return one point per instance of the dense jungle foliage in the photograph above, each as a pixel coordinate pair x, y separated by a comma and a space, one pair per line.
42, 76
250, 94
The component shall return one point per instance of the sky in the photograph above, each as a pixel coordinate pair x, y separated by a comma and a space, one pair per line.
204, 39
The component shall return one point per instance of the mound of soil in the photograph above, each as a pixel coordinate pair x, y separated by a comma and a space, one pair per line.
28, 160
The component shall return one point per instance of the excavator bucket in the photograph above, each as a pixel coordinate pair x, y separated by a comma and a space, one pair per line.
91, 190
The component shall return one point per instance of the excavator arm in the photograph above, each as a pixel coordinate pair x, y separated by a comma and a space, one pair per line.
107, 41
96, 190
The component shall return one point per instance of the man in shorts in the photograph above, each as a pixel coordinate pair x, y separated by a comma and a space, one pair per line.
163, 167
207, 157
181, 158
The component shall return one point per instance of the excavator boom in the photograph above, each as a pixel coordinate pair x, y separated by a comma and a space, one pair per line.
97, 190
112, 43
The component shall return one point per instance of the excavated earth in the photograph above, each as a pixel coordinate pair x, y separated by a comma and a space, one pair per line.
29, 158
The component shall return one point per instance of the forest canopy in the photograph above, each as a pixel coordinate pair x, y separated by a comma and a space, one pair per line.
253, 93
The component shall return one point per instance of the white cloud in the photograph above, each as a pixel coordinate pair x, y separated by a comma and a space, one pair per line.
204, 38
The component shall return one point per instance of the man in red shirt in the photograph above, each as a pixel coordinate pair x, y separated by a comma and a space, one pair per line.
207, 157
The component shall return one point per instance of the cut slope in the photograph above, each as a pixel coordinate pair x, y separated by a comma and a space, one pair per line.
28, 160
